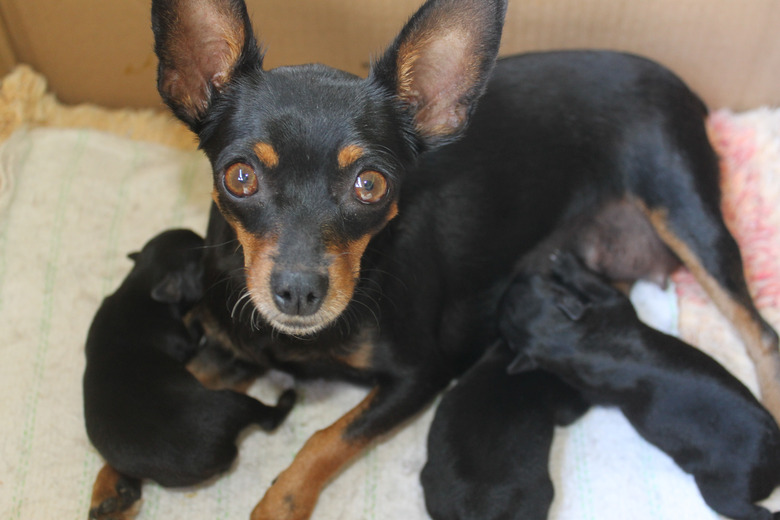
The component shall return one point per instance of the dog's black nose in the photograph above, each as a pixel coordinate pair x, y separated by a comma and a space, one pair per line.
299, 293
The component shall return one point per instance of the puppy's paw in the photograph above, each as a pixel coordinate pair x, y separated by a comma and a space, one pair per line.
286, 400
114, 496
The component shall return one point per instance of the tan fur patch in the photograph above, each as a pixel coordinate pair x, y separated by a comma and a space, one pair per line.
436, 67
343, 273
266, 153
344, 270
258, 260
762, 351
349, 154
295, 492
104, 489
393, 212
202, 49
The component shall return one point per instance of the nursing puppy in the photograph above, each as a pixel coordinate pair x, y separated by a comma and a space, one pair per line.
489, 443
145, 413
577, 326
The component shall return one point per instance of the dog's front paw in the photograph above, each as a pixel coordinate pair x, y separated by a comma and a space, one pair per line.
114, 496
282, 502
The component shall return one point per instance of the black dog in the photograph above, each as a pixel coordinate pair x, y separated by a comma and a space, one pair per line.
577, 326
379, 218
145, 413
489, 443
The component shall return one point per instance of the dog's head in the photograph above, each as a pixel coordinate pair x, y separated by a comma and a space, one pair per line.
171, 265
308, 161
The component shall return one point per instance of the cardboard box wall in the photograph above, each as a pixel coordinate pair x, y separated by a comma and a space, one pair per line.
100, 51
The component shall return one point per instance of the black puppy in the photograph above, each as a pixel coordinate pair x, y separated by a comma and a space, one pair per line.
678, 398
489, 443
145, 413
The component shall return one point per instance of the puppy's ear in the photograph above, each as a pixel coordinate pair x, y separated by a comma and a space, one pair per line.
521, 363
169, 289
200, 45
571, 305
440, 62
184, 286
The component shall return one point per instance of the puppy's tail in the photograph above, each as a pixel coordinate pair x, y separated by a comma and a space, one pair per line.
270, 417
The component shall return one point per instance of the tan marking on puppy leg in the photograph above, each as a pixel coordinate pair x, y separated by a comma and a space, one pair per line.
106, 501
211, 377
267, 155
762, 350
294, 494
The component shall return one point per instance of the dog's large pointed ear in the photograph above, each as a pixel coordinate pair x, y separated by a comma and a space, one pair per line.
439, 64
200, 45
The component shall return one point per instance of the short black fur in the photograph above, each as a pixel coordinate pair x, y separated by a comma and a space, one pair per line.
575, 325
145, 413
489, 443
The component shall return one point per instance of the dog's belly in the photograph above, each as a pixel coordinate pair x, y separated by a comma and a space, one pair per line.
559, 149
620, 243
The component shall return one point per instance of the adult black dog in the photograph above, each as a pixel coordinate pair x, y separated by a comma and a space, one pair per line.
145, 413
378, 219
577, 326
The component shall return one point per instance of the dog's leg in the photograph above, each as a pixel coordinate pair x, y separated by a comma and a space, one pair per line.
680, 195
295, 492
114, 496
731, 498
718, 268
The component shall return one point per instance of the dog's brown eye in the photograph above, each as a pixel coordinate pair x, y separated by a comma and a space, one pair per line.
370, 187
241, 180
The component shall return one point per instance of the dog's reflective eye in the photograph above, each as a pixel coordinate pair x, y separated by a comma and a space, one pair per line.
241, 180
370, 187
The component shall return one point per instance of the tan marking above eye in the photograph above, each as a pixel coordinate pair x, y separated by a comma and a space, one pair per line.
349, 154
266, 153
370, 187
241, 180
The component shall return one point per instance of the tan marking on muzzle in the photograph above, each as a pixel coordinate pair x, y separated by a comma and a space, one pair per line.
343, 275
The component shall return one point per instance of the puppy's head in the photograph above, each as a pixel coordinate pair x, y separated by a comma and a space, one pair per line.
543, 316
309, 161
171, 265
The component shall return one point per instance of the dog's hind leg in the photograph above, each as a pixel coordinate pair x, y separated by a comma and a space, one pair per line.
678, 189
718, 268
730, 499
114, 496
